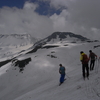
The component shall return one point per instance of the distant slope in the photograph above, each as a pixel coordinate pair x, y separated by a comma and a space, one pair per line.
16, 39
68, 36
58, 37
15, 44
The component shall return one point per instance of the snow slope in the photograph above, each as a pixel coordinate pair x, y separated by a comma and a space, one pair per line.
12, 44
40, 78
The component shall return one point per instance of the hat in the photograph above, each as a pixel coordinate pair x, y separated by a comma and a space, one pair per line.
90, 50
81, 52
60, 64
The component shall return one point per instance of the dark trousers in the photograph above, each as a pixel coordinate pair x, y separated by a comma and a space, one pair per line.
62, 78
85, 68
92, 62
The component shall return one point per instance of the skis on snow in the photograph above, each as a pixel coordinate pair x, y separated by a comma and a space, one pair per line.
62, 82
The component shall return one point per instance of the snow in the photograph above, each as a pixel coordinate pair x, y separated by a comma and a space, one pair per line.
11, 45
40, 78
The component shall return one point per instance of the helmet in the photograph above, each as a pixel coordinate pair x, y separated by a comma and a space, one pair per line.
60, 64
81, 52
90, 50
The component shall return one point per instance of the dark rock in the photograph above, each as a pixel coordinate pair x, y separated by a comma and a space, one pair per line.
21, 63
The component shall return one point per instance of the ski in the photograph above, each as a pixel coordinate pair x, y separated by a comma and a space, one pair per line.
62, 82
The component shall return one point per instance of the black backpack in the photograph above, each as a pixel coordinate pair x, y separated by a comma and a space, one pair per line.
92, 56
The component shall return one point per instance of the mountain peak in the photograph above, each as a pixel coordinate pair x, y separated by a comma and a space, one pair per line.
66, 36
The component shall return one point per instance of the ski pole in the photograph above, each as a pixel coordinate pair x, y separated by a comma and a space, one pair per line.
95, 66
96, 69
67, 76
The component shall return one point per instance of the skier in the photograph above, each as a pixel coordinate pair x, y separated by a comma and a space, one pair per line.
92, 57
62, 73
84, 59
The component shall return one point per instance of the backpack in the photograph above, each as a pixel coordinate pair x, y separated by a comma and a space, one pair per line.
92, 56
85, 58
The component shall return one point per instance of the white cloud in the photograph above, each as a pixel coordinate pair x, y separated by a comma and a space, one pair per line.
29, 5
59, 21
26, 20
80, 17
83, 16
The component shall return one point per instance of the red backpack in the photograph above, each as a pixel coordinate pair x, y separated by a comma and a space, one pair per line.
85, 58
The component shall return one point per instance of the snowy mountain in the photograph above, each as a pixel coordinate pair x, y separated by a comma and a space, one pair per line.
16, 39
14, 43
64, 36
67, 36
35, 76
59, 38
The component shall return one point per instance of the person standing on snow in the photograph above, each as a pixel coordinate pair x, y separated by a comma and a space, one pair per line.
84, 59
92, 57
62, 73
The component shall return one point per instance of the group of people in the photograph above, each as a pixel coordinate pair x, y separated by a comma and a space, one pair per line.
85, 65
85, 60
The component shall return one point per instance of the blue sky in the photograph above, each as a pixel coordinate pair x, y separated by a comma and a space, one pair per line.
43, 9
12, 3
41, 18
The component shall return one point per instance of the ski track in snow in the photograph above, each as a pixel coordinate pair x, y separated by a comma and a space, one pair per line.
91, 90
92, 87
